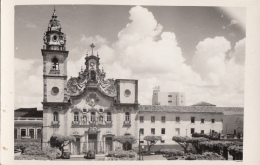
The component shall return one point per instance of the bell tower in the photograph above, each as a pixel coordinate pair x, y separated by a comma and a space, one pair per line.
54, 63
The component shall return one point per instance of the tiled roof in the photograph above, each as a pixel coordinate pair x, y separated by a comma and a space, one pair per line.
203, 104
208, 109
28, 112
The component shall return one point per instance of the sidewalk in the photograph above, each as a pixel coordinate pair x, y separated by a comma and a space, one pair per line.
154, 157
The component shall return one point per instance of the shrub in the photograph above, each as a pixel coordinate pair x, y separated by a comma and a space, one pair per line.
122, 154
30, 157
236, 152
33, 150
204, 156
22, 145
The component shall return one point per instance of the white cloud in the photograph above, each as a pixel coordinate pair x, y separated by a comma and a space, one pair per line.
28, 83
146, 53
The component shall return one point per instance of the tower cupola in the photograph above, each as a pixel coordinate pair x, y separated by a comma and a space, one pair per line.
53, 38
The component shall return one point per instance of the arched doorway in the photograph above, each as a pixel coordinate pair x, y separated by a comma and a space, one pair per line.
109, 144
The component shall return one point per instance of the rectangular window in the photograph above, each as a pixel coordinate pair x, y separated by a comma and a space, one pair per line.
141, 131
192, 119
163, 119
152, 119
141, 141
31, 133
163, 131
153, 131
177, 119
212, 120
202, 131
177, 131
169, 95
39, 134
192, 130
169, 101
202, 120
23, 132
141, 119
162, 141
15, 133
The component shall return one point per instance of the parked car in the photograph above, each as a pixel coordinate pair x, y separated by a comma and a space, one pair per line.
65, 155
90, 155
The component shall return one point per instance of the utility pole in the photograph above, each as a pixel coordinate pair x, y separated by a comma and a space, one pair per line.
139, 145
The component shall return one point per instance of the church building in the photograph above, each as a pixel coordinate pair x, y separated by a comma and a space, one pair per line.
88, 106
94, 109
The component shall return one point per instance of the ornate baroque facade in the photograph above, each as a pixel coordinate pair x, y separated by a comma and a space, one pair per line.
89, 107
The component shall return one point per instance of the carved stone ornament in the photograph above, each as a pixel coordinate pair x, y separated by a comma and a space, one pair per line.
92, 99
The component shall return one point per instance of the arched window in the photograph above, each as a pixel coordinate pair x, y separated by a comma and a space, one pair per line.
55, 64
76, 116
55, 116
93, 116
109, 117
127, 116
93, 75
100, 119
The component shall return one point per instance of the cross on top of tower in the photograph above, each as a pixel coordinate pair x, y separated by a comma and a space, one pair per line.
92, 46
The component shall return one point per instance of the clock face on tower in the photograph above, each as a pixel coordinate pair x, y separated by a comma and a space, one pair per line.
92, 64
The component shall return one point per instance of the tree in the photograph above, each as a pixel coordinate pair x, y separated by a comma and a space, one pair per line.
195, 141
125, 139
151, 140
60, 141
182, 141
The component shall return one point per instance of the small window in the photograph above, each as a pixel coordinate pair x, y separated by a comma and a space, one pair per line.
153, 131
93, 116
127, 116
169, 95
141, 131
141, 141
109, 117
15, 133
39, 133
212, 120
153, 119
163, 119
84, 110
93, 75
177, 130
163, 131
202, 131
76, 116
100, 110
127, 92
192, 119
169, 101
202, 120
162, 141
55, 116
31, 133
177, 119
192, 130
23, 132
141, 119
55, 64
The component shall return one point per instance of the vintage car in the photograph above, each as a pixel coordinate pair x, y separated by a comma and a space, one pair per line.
65, 155
90, 155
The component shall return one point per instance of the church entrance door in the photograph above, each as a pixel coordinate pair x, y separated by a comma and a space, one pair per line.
109, 144
77, 146
92, 141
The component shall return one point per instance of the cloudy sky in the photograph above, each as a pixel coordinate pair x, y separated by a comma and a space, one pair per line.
196, 50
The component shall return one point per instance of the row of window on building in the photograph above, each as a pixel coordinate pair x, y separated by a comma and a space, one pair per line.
92, 116
30, 133
177, 119
177, 131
